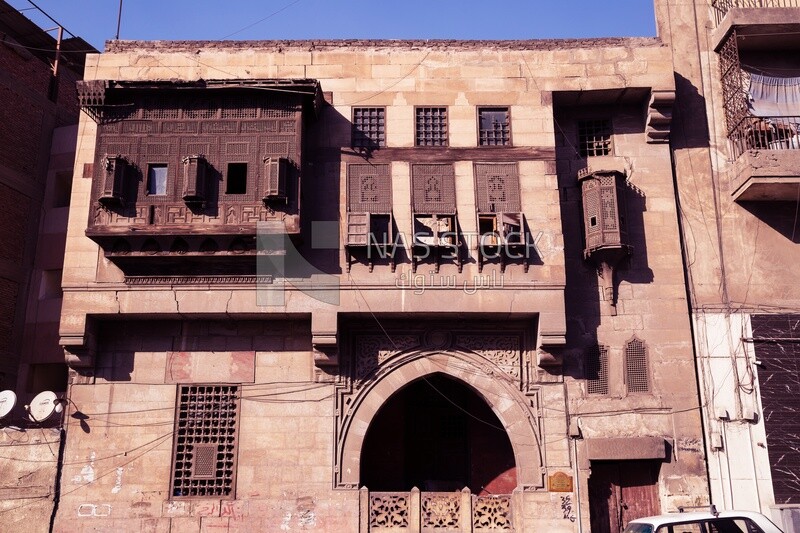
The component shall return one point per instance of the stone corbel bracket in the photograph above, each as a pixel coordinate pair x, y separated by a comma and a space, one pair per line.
325, 338
79, 352
659, 116
550, 348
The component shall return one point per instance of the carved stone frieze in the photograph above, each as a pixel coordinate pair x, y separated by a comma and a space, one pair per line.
374, 350
502, 350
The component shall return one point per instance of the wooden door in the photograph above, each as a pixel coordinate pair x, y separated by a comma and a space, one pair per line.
620, 491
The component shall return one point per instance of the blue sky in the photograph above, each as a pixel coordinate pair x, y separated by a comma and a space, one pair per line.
96, 20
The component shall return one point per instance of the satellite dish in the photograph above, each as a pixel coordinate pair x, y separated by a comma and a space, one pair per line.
42, 406
7, 402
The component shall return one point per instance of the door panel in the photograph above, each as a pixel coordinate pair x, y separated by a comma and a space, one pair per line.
620, 491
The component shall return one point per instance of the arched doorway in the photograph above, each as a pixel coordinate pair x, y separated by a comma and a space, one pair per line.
437, 434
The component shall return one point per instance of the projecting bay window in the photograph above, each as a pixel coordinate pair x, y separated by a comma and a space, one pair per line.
194, 180
206, 441
501, 227
276, 176
114, 176
370, 225
434, 214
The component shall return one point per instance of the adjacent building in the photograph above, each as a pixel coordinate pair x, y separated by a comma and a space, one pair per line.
38, 132
735, 144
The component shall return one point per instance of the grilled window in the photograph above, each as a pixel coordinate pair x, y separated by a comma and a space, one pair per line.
637, 374
205, 440
597, 370
494, 126
431, 126
369, 127
594, 137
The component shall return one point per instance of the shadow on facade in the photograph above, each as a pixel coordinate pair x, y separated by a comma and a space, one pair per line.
780, 216
689, 123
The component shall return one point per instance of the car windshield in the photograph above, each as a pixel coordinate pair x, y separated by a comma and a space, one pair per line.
638, 528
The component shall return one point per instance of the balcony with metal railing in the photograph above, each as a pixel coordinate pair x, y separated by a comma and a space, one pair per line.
761, 101
722, 7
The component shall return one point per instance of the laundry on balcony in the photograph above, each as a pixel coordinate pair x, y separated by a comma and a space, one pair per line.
773, 96
775, 103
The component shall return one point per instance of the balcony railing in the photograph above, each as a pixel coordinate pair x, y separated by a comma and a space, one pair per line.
765, 133
721, 7
432, 512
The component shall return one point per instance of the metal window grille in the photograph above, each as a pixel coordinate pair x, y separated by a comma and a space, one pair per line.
206, 438
431, 127
594, 137
369, 127
637, 375
494, 126
597, 370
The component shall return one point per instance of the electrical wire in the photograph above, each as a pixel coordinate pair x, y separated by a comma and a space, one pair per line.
287, 6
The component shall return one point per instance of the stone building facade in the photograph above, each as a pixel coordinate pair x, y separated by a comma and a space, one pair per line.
377, 286
38, 132
735, 142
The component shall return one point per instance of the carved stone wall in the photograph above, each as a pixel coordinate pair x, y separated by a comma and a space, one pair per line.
496, 365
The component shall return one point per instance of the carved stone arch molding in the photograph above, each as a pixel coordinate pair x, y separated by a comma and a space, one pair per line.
491, 365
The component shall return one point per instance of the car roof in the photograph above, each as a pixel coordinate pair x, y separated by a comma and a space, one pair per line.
675, 518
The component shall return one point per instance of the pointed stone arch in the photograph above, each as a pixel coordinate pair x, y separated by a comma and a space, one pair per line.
501, 393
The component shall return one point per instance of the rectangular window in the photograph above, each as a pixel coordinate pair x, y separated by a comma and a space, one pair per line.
431, 126
157, 179
206, 438
369, 127
594, 137
597, 370
494, 126
236, 180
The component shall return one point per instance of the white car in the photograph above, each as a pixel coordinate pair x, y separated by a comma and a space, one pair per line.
706, 522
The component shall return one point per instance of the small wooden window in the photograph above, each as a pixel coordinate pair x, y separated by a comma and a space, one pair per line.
597, 370
431, 126
157, 179
494, 126
236, 178
206, 439
369, 127
594, 137
637, 373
